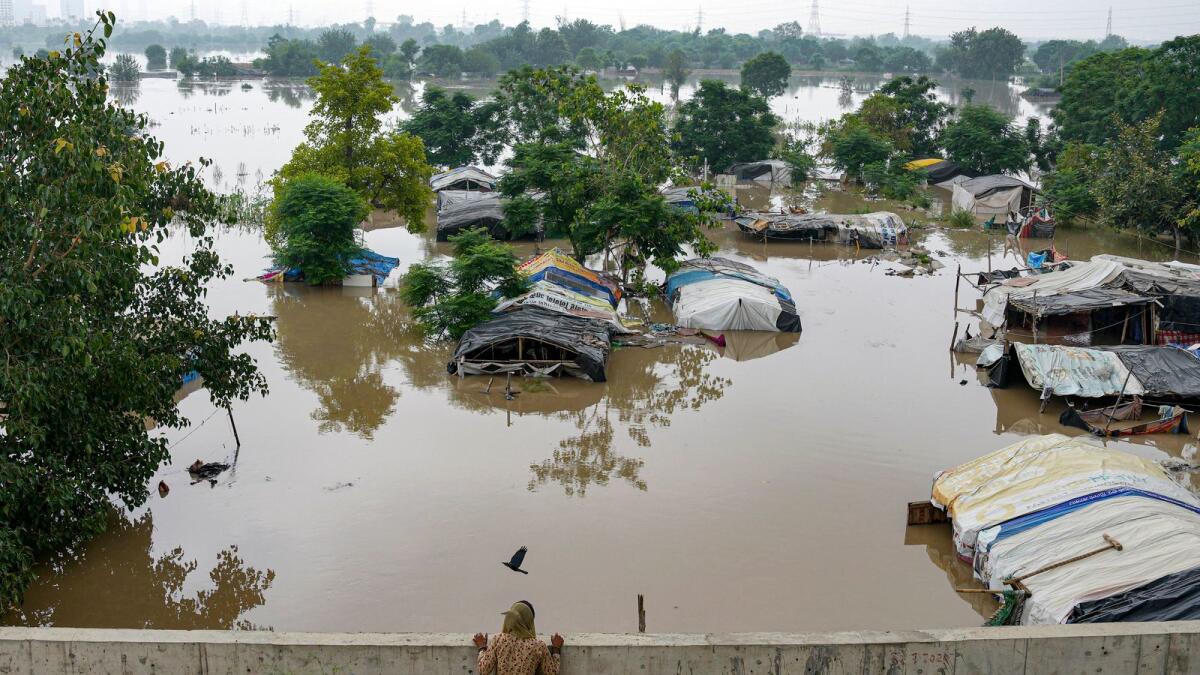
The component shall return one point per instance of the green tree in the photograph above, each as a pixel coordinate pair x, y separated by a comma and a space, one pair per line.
288, 58
409, 49
156, 57
448, 300
991, 54
1068, 186
124, 69
178, 56
986, 141
453, 127
907, 112
333, 45
96, 331
766, 74
313, 221
851, 146
345, 141
381, 44
675, 71
442, 60
723, 125
480, 63
588, 59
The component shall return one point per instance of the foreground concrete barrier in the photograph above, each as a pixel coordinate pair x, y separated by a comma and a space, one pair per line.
1108, 648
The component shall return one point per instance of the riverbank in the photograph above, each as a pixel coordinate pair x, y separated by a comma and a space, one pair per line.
1168, 647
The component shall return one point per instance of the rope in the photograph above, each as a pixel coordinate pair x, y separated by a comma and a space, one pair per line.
194, 429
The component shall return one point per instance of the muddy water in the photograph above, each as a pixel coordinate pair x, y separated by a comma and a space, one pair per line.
758, 487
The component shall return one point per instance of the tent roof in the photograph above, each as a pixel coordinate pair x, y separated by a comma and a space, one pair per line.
983, 185
587, 339
1085, 300
923, 163
445, 179
1163, 371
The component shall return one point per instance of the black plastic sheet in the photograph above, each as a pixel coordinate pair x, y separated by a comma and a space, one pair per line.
1166, 372
586, 341
1175, 597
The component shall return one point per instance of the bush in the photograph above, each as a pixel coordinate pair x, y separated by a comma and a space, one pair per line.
960, 218
315, 217
124, 69
156, 57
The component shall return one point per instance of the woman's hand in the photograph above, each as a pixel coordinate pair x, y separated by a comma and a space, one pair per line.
480, 640
556, 641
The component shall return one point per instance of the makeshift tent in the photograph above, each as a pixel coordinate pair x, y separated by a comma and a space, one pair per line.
1075, 371
447, 197
561, 269
873, 230
721, 294
993, 195
463, 178
535, 341
1164, 372
367, 262
767, 171
556, 298
938, 170
486, 212
1174, 597
1038, 473
1079, 277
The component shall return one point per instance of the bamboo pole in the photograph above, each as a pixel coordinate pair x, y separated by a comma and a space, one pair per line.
1112, 544
1118, 403
957, 281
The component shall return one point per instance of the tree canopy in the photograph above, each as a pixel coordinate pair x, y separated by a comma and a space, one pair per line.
97, 332
456, 129
984, 140
723, 125
313, 227
345, 140
991, 54
766, 74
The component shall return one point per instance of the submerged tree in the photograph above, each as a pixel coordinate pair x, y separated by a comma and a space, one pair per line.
447, 300
312, 227
675, 71
96, 333
766, 74
156, 57
124, 69
346, 141
724, 125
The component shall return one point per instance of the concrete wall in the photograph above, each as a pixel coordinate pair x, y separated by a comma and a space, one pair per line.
1112, 648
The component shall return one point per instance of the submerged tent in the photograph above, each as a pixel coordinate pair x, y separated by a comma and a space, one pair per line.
774, 171
487, 212
722, 294
561, 269
449, 197
367, 262
551, 296
993, 195
872, 230
463, 178
938, 170
1075, 371
535, 341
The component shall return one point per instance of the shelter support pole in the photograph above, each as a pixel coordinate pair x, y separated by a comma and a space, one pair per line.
1124, 326
1116, 405
954, 336
957, 281
236, 438
641, 613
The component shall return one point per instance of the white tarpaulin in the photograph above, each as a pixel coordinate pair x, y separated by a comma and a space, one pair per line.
1080, 276
998, 203
727, 304
1038, 473
1075, 371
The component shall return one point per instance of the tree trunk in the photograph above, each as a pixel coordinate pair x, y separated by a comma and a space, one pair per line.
1178, 232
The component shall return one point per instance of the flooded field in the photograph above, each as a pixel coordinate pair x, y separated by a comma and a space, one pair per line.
758, 487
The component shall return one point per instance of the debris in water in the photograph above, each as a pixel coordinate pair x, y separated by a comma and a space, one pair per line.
962, 383
338, 486
163, 488
206, 471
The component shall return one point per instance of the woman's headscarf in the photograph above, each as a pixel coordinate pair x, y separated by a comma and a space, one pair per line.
518, 620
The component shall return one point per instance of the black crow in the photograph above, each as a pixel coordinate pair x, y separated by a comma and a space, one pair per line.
517, 559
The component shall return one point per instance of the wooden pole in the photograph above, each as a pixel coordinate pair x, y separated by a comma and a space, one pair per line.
954, 336
641, 613
1112, 544
1035, 316
957, 281
1118, 403
229, 409
1124, 326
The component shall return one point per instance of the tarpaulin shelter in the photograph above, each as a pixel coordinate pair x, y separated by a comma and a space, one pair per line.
938, 170
1176, 287
535, 341
448, 197
556, 298
1174, 597
773, 171
463, 178
1164, 372
872, 230
366, 262
1027, 295
559, 268
1075, 371
994, 195
722, 294
486, 212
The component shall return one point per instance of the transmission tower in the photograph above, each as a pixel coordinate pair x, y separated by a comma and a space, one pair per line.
814, 19
463, 26
906, 18
245, 15
291, 16
700, 19
193, 10
525, 11
370, 9
1108, 26
621, 21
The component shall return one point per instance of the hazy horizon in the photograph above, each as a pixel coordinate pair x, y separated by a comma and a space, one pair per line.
1140, 20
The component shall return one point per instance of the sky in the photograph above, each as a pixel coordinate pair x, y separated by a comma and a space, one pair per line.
1137, 20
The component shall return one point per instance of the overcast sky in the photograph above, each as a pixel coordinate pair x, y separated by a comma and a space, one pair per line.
1153, 20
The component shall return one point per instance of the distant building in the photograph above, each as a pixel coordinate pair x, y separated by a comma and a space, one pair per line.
70, 10
7, 17
37, 15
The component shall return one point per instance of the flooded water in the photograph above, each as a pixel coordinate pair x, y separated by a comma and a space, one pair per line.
757, 487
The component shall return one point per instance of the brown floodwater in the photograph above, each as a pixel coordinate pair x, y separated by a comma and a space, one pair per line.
757, 487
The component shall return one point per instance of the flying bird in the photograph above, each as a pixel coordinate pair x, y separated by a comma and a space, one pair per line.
517, 559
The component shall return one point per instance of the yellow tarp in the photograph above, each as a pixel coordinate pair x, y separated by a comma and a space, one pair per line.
1036, 473
923, 163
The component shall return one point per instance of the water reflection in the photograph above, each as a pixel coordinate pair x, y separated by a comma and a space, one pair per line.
291, 94
939, 546
119, 570
335, 344
126, 93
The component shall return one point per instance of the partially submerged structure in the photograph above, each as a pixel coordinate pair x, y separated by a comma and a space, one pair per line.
1066, 531
368, 268
881, 229
992, 196
450, 197
722, 294
768, 171
486, 211
558, 283
467, 178
535, 341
